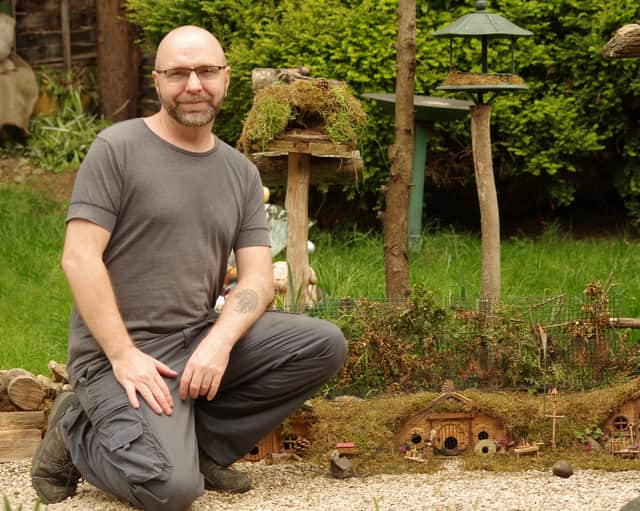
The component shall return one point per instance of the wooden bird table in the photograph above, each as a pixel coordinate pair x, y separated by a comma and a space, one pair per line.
303, 149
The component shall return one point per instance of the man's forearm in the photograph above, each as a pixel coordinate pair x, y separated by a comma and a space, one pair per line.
95, 299
242, 308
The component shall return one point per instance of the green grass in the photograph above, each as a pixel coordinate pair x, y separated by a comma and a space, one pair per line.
35, 301
449, 264
34, 298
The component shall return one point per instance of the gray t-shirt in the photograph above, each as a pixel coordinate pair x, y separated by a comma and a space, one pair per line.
174, 217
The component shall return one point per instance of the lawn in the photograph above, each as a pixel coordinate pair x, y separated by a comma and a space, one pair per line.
35, 302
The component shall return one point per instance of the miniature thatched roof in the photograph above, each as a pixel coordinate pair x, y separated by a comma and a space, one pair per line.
316, 105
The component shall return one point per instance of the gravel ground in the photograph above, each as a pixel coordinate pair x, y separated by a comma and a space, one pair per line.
303, 487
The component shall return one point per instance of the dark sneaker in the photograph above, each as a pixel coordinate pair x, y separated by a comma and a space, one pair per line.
53, 475
223, 479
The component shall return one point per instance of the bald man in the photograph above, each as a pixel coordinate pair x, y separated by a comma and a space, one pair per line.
166, 392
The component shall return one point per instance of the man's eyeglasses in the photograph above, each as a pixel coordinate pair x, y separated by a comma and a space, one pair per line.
182, 74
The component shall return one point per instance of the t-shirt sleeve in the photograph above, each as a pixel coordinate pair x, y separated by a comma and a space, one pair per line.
253, 231
98, 187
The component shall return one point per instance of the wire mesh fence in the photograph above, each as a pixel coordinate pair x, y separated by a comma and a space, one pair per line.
532, 342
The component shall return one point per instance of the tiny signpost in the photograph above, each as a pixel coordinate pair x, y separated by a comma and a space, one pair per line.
554, 415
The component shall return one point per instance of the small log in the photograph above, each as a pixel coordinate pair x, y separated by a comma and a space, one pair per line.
261, 77
5, 377
21, 420
624, 44
51, 388
633, 323
25, 392
58, 372
19, 444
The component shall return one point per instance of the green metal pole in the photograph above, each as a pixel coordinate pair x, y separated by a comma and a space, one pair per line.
417, 186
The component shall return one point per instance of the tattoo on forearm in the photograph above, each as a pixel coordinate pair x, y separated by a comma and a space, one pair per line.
246, 301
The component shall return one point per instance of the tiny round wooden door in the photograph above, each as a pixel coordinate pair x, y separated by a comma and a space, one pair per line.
452, 438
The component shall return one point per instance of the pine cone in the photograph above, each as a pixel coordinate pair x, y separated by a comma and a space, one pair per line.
301, 446
448, 386
322, 83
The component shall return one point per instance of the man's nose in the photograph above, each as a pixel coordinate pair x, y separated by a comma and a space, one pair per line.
193, 82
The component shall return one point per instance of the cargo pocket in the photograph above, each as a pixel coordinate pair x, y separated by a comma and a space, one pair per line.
130, 446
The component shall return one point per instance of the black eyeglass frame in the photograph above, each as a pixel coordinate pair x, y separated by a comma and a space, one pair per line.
184, 73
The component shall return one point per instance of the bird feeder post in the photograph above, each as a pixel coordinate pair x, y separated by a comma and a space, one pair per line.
297, 206
303, 149
488, 200
485, 26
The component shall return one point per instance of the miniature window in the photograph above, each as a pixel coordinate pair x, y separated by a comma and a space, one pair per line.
288, 442
483, 435
621, 423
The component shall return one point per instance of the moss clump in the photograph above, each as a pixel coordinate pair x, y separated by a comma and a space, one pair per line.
307, 104
461, 78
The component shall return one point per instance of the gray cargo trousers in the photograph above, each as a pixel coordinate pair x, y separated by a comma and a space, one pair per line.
151, 460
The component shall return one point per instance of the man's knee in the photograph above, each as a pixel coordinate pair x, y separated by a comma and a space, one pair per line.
337, 345
175, 494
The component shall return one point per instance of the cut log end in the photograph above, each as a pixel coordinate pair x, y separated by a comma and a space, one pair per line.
26, 392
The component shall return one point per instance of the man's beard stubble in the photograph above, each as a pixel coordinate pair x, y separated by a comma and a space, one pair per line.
192, 119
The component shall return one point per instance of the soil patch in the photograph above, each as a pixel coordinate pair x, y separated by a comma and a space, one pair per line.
21, 173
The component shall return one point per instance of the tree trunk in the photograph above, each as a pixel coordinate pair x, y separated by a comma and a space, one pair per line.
118, 62
396, 244
488, 201
624, 44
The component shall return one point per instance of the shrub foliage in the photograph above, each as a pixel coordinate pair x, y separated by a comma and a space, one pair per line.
576, 125
416, 345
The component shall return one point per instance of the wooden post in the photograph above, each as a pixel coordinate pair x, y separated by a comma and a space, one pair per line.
488, 201
65, 28
297, 206
118, 62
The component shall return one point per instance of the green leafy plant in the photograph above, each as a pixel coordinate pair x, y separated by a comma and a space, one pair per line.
59, 140
594, 431
7, 505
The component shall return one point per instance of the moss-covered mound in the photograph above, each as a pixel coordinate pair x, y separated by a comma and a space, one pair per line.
308, 104
373, 424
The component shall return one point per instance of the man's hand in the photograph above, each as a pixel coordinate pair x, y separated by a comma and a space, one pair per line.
204, 370
138, 372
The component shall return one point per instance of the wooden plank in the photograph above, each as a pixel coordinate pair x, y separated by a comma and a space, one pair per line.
314, 148
448, 415
324, 169
19, 444
21, 420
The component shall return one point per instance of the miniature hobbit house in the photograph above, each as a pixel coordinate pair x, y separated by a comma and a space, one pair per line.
622, 426
448, 426
288, 438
